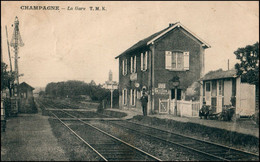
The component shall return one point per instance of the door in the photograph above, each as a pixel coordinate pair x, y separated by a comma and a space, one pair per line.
227, 92
208, 93
220, 96
179, 97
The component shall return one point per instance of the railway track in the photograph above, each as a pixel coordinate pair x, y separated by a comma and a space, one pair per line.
211, 150
106, 146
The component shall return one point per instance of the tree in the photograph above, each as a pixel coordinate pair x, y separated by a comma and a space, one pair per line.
248, 68
7, 77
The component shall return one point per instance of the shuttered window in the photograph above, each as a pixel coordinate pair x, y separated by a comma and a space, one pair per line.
124, 67
168, 60
131, 65
186, 60
135, 64
144, 61
132, 96
124, 96
176, 60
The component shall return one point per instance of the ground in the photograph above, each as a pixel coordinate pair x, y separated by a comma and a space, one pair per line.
38, 137
29, 137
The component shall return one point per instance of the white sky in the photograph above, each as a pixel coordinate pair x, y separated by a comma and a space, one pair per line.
82, 45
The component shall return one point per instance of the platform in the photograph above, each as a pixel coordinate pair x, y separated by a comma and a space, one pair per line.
29, 137
244, 126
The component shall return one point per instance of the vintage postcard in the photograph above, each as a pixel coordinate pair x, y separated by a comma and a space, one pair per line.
129, 80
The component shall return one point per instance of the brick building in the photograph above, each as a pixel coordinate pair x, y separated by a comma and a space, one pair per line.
154, 61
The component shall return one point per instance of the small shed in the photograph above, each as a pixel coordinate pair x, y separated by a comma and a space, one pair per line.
222, 88
26, 91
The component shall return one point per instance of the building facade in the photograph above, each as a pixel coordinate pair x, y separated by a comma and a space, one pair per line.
224, 88
27, 104
152, 62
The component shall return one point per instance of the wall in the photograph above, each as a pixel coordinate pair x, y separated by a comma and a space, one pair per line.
245, 99
125, 82
177, 39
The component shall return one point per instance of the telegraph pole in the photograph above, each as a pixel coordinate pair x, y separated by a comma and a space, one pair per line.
15, 43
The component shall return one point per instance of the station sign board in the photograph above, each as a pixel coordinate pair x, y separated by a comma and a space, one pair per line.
161, 91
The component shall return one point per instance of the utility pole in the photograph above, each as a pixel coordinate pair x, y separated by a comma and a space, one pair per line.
10, 61
9, 54
228, 64
15, 43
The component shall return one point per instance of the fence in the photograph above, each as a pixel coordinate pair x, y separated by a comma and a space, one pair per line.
186, 108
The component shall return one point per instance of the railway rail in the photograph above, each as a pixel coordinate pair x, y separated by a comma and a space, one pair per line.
106, 146
212, 150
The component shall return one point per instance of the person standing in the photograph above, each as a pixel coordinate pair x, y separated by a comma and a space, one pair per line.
144, 100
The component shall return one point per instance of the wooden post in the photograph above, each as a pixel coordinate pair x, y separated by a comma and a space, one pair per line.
111, 98
175, 106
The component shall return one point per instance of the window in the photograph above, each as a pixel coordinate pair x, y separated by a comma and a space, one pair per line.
144, 61
124, 67
176, 60
178, 94
132, 97
214, 88
208, 87
133, 64
220, 82
124, 96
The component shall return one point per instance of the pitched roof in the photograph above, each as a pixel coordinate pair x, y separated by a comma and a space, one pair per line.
220, 74
155, 36
25, 85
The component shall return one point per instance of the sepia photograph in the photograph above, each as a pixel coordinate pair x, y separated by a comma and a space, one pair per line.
129, 80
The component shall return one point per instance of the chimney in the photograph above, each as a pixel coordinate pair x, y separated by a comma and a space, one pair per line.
171, 24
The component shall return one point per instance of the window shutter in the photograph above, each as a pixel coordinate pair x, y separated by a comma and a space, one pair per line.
131, 97
134, 95
146, 53
135, 64
123, 67
168, 59
123, 96
126, 96
131, 65
186, 60
142, 61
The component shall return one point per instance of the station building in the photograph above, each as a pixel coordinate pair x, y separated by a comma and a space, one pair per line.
152, 63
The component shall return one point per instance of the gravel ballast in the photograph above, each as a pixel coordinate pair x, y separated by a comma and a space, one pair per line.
233, 139
75, 149
150, 145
